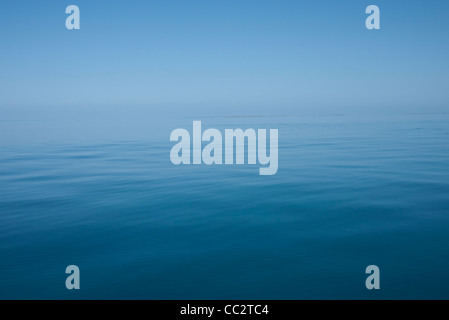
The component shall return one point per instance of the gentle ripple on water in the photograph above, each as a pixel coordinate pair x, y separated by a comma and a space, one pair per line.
348, 194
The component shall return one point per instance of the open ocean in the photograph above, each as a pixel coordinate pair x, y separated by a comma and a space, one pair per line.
351, 191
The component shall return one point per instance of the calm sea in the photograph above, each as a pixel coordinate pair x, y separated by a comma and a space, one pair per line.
351, 191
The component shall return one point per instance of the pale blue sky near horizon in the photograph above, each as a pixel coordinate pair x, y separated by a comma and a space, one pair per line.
224, 57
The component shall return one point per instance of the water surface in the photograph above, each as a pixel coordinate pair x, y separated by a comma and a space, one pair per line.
350, 191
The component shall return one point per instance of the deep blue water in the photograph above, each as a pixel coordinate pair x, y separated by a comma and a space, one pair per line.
350, 192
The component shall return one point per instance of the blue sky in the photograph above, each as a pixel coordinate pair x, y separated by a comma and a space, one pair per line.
237, 55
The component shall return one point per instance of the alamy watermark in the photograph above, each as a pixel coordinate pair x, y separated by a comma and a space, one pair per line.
371, 23
73, 280
373, 280
73, 20
213, 152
